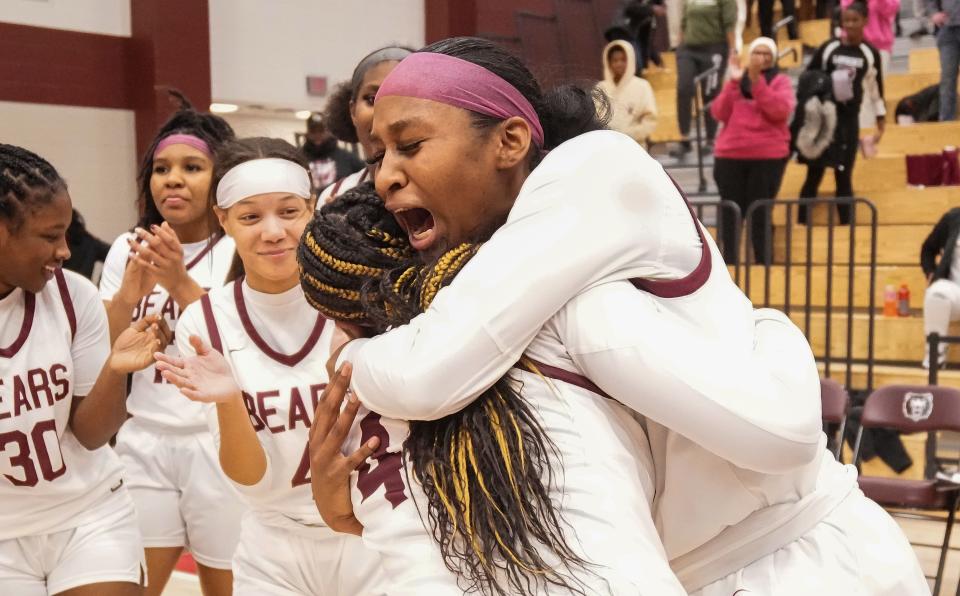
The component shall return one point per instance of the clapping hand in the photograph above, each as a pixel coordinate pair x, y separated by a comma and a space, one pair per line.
205, 377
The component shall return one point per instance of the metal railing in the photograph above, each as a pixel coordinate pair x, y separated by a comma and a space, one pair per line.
933, 460
724, 213
807, 261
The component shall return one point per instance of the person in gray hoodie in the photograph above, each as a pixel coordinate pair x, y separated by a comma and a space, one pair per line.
946, 16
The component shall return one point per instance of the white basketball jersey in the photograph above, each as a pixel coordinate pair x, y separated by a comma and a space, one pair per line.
152, 400
277, 347
600, 445
52, 347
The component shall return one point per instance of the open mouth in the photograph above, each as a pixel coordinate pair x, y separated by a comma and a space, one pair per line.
419, 225
50, 270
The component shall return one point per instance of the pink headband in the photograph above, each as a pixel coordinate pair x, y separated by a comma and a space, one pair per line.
183, 139
462, 84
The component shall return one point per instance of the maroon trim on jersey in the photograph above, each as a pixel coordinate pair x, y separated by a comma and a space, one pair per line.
558, 374
339, 183
285, 359
29, 308
674, 288
67, 301
204, 252
215, 342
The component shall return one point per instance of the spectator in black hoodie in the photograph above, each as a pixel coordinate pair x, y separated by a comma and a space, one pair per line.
941, 302
328, 161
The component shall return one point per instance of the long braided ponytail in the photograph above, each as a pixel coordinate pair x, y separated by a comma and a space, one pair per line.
485, 470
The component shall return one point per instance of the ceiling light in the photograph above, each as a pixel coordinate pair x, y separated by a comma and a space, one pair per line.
223, 108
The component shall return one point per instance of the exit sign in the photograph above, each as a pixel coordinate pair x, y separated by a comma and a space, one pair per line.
316, 85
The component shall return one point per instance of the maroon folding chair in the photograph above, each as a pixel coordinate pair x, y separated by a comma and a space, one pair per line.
835, 401
913, 409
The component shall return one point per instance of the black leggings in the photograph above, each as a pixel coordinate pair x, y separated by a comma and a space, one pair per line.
744, 181
843, 176
692, 61
765, 14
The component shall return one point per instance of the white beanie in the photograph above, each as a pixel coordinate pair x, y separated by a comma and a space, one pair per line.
764, 41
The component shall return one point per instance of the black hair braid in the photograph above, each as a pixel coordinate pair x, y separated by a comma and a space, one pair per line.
25, 179
346, 250
213, 129
486, 470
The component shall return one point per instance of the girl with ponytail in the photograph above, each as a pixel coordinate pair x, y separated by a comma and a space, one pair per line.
175, 253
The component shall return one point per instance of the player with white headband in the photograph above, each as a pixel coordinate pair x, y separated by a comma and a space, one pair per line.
262, 354
601, 262
176, 252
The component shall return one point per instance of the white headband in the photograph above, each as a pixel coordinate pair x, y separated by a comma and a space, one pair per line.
261, 176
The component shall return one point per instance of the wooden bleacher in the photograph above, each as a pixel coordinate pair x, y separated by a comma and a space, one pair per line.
881, 173
885, 274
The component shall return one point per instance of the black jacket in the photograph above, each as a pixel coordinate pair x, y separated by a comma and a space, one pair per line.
942, 238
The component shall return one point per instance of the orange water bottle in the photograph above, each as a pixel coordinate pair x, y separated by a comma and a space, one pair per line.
903, 301
889, 301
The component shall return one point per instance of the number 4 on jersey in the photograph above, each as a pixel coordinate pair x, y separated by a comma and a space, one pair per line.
388, 472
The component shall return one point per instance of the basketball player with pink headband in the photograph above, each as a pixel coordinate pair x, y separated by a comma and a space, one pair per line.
176, 252
601, 262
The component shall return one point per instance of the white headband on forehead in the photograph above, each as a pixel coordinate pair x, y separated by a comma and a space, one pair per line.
765, 42
262, 176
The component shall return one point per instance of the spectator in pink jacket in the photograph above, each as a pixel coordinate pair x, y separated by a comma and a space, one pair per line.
755, 107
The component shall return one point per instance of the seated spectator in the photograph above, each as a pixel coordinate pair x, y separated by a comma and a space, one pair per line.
941, 302
328, 161
755, 107
854, 68
633, 107
86, 250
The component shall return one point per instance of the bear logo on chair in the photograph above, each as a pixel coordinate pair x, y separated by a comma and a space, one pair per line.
917, 406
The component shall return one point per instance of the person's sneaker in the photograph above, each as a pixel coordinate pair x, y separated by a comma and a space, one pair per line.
681, 150
919, 32
708, 148
926, 360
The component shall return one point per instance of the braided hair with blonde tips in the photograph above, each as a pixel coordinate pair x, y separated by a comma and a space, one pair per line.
485, 470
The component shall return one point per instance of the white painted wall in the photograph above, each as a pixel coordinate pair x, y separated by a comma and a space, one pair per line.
93, 149
110, 17
261, 52
246, 125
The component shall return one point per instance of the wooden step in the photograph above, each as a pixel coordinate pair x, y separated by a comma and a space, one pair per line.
902, 85
885, 275
923, 137
660, 79
888, 374
880, 173
924, 60
815, 32
909, 205
897, 339
896, 244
